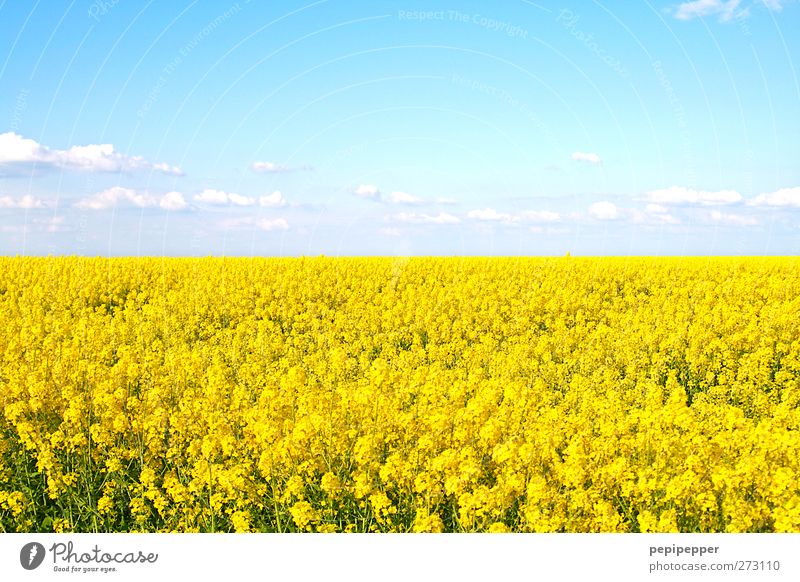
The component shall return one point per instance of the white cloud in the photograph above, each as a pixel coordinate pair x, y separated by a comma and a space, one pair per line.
656, 209
239, 200
274, 200
52, 224
222, 198
653, 214
604, 210
26, 202
732, 219
414, 218
677, 195
590, 158
275, 168
112, 197
109, 198
368, 192
783, 197
390, 231
272, 224
211, 196
167, 169
269, 167
404, 198
540, 216
549, 230
490, 215
267, 224
16, 151
172, 201
446, 201
667, 218
726, 10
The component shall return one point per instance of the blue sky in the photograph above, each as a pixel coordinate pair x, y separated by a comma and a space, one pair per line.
399, 128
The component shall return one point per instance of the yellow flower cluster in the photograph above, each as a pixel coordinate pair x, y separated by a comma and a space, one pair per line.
380, 394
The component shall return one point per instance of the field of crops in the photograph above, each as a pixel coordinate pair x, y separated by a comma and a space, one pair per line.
392, 394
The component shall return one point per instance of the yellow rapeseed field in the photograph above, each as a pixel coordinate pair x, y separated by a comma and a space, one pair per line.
386, 394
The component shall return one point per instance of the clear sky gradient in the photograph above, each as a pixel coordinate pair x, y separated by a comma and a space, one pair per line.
399, 128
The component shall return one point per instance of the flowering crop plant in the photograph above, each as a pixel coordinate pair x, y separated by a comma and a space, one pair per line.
400, 395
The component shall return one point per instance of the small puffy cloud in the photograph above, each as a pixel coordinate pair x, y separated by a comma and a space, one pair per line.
404, 198
222, 198
266, 224
368, 192
786, 197
724, 9
656, 209
17, 151
211, 196
269, 168
589, 158
239, 200
27, 202
421, 218
540, 216
549, 230
270, 224
653, 214
490, 215
167, 169
604, 210
444, 201
172, 201
118, 196
274, 200
679, 196
110, 197
732, 219
52, 224
667, 218
275, 168
390, 231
